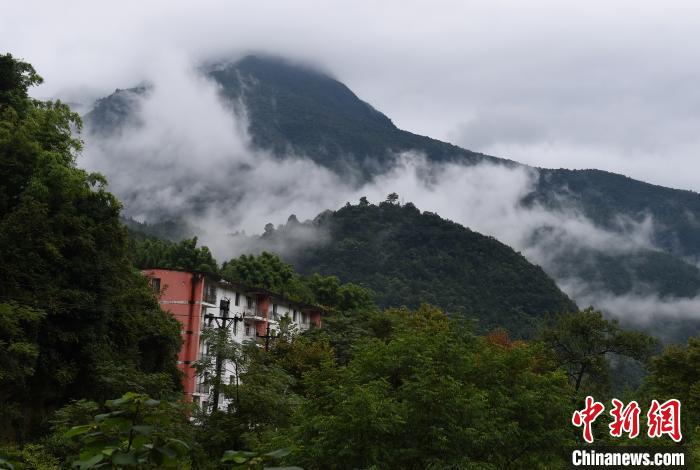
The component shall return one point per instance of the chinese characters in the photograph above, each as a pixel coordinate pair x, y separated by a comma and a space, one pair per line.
662, 419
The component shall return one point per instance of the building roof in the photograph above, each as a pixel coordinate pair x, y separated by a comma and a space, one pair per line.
248, 290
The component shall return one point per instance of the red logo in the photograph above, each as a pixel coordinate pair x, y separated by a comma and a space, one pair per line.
664, 418
587, 416
626, 419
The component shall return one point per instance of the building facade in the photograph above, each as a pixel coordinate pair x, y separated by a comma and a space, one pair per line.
193, 297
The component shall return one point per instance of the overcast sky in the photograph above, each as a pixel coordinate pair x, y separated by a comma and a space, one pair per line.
595, 84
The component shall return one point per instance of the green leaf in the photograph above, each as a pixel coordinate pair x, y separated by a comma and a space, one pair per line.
77, 430
143, 429
179, 443
111, 414
6, 465
122, 424
167, 452
236, 456
89, 463
139, 441
128, 397
279, 453
124, 458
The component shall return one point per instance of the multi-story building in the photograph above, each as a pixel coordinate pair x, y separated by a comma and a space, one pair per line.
193, 297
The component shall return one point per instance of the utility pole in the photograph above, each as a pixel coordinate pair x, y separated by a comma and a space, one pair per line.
222, 323
267, 337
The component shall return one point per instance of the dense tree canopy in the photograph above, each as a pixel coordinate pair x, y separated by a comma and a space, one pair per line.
584, 341
149, 252
431, 395
407, 257
75, 319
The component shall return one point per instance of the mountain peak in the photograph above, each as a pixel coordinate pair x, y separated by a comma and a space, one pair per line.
294, 106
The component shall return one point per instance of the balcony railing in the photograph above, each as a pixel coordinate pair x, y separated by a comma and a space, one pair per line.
254, 312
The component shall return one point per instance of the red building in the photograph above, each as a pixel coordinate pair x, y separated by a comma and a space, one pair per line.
190, 295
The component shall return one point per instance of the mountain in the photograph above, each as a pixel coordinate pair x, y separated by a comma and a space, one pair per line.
293, 109
110, 114
298, 108
632, 273
408, 257
603, 197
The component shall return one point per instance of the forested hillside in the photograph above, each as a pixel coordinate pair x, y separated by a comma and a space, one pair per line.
409, 257
320, 117
604, 197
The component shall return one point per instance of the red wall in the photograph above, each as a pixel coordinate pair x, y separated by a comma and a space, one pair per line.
315, 317
178, 298
264, 308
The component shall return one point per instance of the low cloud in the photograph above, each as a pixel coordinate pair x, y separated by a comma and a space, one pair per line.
191, 157
609, 87
664, 317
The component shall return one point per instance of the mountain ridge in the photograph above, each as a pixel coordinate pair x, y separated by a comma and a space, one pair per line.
299, 111
284, 116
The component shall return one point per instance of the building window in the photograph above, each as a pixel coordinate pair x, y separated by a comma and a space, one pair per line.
247, 330
294, 315
202, 387
210, 293
238, 299
249, 302
155, 284
231, 379
303, 318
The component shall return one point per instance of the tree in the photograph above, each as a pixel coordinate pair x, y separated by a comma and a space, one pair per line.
392, 198
676, 374
329, 292
221, 350
583, 340
19, 329
84, 322
269, 272
260, 396
432, 396
183, 255
16, 77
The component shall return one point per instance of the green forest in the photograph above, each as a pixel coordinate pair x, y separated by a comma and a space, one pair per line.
408, 257
88, 373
